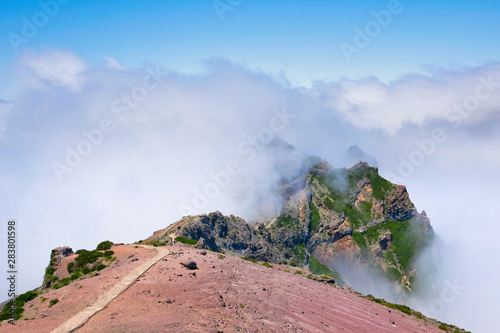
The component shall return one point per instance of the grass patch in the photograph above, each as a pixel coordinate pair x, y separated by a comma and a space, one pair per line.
399, 307
249, 259
315, 220
266, 264
53, 302
286, 221
318, 268
186, 240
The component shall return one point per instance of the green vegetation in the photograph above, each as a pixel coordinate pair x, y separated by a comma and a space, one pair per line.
299, 254
103, 246
329, 203
43, 299
71, 267
186, 240
108, 254
242, 306
389, 258
249, 259
380, 185
101, 266
49, 278
359, 239
53, 302
318, 268
399, 307
61, 283
87, 257
19, 304
285, 221
408, 239
267, 265
393, 274
314, 216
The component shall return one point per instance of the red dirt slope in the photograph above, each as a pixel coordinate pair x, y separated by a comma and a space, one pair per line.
226, 294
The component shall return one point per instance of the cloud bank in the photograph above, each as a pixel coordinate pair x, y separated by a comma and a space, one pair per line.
91, 153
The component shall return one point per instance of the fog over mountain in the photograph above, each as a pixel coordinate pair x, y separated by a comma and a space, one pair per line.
106, 152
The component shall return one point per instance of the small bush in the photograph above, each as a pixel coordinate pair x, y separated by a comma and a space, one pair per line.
249, 259
71, 267
101, 266
108, 253
75, 276
87, 257
103, 246
267, 265
53, 302
62, 283
186, 240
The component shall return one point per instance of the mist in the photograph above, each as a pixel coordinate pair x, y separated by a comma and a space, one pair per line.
91, 153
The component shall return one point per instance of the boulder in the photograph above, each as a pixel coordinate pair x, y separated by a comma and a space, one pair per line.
189, 263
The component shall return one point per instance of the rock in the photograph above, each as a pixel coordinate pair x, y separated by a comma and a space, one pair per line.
203, 253
189, 263
201, 244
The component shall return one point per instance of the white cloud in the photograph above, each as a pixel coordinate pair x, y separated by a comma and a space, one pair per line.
113, 63
188, 126
371, 104
58, 68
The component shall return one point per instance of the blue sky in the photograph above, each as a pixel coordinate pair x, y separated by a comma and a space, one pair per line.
299, 38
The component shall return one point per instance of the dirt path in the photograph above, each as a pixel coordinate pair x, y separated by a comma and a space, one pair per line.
102, 301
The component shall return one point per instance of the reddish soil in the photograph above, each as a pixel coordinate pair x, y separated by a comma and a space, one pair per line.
224, 295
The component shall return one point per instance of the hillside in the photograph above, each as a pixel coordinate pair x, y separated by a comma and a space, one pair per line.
224, 294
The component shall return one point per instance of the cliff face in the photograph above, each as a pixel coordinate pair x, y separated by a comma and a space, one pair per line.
343, 218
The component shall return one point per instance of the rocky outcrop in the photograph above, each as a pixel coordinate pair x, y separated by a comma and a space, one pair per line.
58, 254
228, 233
400, 207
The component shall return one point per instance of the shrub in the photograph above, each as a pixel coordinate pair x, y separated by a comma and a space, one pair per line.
267, 265
19, 303
359, 239
249, 259
71, 267
62, 283
186, 240
101, 266
87, 257
108, 253
106, 245
75, 276
53, 302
